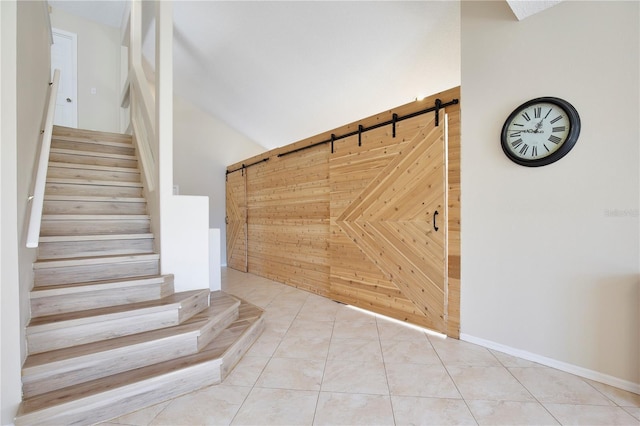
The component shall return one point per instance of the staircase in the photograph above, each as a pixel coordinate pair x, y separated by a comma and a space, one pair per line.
108, 335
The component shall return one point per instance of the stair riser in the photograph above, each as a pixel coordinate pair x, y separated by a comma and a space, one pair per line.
118, 402
93, 190
88, 273
91, 135
233, 355
104, 364
50, 340
92, 160
94, 227
105, 175
60, 250
91, 207
98, 299
93, 147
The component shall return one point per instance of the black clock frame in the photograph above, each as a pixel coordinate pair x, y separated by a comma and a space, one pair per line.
569, 143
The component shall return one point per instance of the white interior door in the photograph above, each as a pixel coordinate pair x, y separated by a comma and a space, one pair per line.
64, 56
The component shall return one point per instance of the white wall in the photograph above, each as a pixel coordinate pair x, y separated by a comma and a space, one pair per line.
24, 86
550, 255
9, 289
203, 148
98, 67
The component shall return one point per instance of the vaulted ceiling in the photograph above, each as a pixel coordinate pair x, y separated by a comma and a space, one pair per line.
279, 72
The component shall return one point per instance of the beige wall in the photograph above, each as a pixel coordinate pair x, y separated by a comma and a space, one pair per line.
203, 148
24, 79
550, 255
9, 288
98, 67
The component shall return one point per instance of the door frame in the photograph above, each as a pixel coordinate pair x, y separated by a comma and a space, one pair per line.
74, 71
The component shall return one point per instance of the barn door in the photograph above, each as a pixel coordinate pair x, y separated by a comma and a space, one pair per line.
236, 200
389, 222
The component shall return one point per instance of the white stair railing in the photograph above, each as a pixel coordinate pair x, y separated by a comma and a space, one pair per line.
37, 197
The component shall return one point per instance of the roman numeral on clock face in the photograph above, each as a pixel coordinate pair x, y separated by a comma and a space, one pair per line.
556, 119
524, 149
537, 112
554, 139
516, 143
526, 116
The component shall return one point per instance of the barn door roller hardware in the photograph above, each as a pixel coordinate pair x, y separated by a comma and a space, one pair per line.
244, 166
395, 119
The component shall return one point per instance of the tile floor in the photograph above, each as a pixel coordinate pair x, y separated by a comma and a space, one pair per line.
320, 362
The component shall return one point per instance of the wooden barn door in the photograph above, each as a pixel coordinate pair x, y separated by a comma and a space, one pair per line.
389, 221
236, 207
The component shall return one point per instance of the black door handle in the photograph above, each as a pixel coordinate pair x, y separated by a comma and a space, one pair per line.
434, 220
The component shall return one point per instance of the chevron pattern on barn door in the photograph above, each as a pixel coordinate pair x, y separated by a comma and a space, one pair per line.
236, 208
401, 269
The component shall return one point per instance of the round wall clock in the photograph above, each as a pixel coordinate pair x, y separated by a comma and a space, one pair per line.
540, 131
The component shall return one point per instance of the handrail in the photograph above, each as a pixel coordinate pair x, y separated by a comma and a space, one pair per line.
142, 121
37, 199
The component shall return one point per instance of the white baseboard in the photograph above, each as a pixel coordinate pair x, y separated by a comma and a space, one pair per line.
559, 365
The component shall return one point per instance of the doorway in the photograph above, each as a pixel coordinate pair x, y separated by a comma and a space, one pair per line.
64, 56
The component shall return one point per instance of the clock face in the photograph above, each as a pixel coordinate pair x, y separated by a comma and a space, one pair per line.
540, 131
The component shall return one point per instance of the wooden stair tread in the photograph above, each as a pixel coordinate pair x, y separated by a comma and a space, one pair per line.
113, 311
97, 237
94, 199
93, 182
55, 290
214, 352
95, 217
192, 325
79, 139
93, 154
68, 131
93, 167
94, 260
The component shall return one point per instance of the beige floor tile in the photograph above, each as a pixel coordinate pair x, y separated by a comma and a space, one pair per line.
391, 330
215, 405
277, 407
488, 383
310, 328
266, 344
570, 414
355, 350
417, 351
294, 346
621, 397
410, 410
355, 377
510, 413
316, 310
141, 417
458, 353
431, 381
347, 313
634, 411
247, 371
361, 329
553, 386
353, 409
512, 361
290, 373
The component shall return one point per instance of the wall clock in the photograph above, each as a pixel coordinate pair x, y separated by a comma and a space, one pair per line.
540, 131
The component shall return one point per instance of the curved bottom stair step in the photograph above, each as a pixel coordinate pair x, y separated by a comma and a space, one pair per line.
46, 372
117, 395
77, 328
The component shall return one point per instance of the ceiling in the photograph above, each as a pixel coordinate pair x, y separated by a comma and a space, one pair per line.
279, 72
